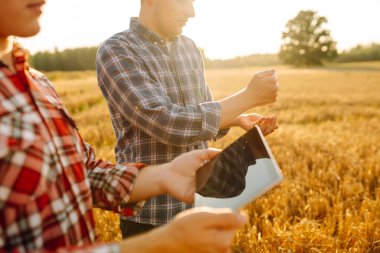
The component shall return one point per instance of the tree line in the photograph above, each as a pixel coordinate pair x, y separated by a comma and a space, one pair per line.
66, 60
305, 42
84, 59
361, 53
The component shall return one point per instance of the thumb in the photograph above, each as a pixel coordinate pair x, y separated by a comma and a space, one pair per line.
206, 154
228, 220
265, 73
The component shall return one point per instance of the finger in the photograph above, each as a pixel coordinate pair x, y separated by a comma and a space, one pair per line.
205, 154
274, 121
226, 219
265, 73
264, 130
259, 121
255, 116
270, 123
272, 128
273, 116
212, 152
265, 123
273, 80
221, 218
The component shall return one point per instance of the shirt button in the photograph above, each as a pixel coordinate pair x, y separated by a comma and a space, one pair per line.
155, 43
136, 108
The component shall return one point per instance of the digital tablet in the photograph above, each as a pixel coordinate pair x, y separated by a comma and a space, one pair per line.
243, 171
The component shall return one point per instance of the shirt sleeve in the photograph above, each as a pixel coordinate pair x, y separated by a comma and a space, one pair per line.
135, 92
222, 132
112, 184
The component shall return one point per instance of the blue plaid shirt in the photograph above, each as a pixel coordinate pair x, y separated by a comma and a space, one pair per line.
159, 102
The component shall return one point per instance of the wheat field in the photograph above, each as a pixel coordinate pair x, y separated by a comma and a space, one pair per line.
327, 145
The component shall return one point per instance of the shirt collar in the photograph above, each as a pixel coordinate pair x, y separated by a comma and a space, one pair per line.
19, 58
135, 25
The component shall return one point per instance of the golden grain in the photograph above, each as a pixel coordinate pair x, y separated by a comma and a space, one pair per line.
328, 146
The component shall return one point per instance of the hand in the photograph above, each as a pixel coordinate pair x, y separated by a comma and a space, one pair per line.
204, 230
263, 88
178, 177
200, 230
267, 124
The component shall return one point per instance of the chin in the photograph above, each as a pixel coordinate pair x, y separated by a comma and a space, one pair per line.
177, 33
29, 31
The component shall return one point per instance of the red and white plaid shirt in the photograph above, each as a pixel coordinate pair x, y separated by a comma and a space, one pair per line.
49, 178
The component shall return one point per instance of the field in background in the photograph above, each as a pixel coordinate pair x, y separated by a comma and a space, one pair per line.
328, 146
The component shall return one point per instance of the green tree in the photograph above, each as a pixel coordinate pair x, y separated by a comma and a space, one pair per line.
359, 53
66, 60
306, 41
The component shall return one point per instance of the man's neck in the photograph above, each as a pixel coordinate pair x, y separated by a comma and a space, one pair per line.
147, 22
6, 45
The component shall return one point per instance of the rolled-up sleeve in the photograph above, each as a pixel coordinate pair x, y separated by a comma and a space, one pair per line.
112, 184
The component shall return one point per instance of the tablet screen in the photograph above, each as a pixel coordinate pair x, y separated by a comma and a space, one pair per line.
240, 173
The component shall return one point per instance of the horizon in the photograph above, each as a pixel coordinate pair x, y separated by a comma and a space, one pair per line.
210, 29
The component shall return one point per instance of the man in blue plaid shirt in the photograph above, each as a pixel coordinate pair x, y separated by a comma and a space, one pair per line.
154, 81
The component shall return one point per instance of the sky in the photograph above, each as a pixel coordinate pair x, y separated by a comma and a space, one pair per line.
224, 28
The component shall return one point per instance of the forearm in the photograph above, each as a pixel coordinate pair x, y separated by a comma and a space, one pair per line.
155, 241
148, 183
233, 106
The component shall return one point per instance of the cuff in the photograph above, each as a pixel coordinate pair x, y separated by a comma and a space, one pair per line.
211, 116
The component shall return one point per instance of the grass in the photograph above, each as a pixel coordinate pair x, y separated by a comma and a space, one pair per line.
328, 146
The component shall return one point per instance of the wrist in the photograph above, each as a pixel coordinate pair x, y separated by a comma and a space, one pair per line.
163, 177
249, 98
169, 244
158, 241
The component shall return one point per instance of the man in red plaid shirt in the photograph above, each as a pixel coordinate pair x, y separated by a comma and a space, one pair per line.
50, 180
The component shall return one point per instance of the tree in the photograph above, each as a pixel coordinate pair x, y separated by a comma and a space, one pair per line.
306, 42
